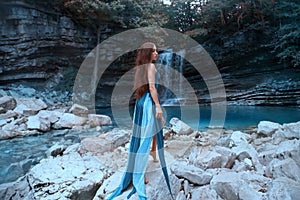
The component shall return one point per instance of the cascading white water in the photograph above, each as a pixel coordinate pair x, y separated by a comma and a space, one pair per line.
166, 61
180, 56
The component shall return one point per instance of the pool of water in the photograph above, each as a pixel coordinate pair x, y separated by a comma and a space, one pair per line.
18, 155
199, 118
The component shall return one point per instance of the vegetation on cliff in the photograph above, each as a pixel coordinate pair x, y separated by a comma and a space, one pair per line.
269, 24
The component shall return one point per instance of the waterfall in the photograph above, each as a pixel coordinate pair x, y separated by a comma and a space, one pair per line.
171, 81
179, 57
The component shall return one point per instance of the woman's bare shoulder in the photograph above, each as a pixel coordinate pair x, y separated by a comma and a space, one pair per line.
152, 67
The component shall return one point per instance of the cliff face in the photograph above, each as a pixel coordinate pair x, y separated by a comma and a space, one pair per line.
40, 47
251, 72
38, 43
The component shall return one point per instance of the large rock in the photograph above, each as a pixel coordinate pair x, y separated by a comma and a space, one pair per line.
105, 142
227, 185
284, 150
36, 123
268, 128
29, 106
8, 115
79, 110
205, 192
68, 120
160, 189
15, 128
191, 173
224, 140
179, 127
243, 185
253, 186
283, 168
43, 120
265, 157
17, 190
283, 188
288, 149
219, 157
95, 120
8, 103
292, 130
50, 115
7, 134
228, 157
240, 166
155, 189
279, 136
108, 186
67, 177
205, 159
239, 138
181, 196
241, 147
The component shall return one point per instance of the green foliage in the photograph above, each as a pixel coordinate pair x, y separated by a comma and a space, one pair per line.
212, 20
216, 20
123, 13
184, 15
235, 15
155, 12
287, 46
88, 12
218, 16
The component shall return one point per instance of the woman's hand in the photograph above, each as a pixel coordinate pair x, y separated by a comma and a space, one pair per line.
159, 115
158, 111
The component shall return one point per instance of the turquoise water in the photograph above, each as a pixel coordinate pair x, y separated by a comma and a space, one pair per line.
18, 155
236, 117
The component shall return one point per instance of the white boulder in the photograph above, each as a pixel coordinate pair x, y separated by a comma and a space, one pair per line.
105, 142
268, 128
179, 127
95, 120
69, 120
8, 103
191, 173
292, 130
29, 106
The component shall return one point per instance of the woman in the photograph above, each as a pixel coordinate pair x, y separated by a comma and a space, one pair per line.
147, 124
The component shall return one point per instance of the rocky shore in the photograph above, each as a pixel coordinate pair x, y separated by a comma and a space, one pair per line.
257, 163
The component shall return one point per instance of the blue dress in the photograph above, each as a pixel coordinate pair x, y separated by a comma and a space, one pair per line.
145, 126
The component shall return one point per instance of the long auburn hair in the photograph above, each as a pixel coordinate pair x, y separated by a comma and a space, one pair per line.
143, 59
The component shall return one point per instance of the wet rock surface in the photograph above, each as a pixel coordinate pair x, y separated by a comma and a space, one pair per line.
215, 164
71, 156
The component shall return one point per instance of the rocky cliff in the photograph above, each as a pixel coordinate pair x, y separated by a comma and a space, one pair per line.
250, 69
39, 44
41, 47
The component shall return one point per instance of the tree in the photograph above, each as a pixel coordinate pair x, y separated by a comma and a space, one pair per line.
95, 14
287, 45
183, 15
123, 13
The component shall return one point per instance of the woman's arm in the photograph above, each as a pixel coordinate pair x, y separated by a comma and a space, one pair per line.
153, 91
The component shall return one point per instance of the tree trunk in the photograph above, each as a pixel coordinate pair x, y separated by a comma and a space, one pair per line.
222, 15
94, 76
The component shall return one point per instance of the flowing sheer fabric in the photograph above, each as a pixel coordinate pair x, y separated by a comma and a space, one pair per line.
145, 126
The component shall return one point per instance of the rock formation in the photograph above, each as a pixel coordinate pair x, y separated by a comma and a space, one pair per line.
256, 163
